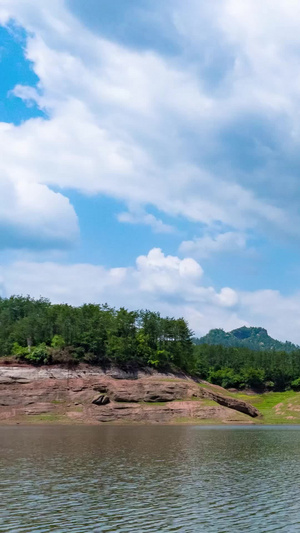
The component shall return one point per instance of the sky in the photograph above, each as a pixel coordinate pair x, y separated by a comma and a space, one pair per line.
150, 157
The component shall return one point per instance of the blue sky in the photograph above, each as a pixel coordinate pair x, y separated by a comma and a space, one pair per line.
150, 157
15, 69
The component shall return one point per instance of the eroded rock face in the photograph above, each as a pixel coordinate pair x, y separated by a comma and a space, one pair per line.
163, 414
148, 390
27, 393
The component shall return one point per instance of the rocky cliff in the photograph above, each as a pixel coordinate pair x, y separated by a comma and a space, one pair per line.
91, 396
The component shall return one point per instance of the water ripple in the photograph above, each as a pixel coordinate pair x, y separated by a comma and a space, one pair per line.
149, 479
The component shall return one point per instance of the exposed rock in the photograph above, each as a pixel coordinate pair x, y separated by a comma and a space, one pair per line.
27, 373
148, 390
38, 409
231, 403
174, 411
152, 398
122, 374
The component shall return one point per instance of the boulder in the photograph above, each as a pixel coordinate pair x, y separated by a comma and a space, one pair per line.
101, 400
231, 403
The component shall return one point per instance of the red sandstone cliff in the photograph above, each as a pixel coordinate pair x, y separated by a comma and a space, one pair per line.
88, 395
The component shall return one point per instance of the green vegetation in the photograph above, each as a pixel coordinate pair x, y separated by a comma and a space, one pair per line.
47, 417
242, 368
276, 407
247, 358
41, 333
252, 338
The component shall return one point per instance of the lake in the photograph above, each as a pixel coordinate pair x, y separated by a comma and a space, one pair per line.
149, 479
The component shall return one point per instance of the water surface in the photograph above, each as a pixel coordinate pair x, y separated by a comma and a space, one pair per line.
149, 479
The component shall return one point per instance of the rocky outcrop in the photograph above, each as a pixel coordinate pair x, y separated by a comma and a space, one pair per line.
231, 403
179, 411
90, 395
23, 374
148, 390
154, 390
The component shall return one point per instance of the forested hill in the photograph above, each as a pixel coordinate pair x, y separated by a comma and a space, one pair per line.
252, 338
38, 332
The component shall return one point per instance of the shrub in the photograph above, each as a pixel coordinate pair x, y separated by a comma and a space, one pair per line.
19, 351
225, 377
58, 342
296, 384
38, 355
269, 385
62, 356
254, 378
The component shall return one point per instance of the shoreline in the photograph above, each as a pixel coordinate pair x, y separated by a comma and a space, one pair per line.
195, 423
90, 396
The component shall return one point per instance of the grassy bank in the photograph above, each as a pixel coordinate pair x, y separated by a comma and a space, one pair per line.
275, 407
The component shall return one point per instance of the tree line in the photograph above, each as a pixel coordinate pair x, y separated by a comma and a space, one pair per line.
237, 367
38, 332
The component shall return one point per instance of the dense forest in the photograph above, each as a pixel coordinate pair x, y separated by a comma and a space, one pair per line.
240, 368
39, 332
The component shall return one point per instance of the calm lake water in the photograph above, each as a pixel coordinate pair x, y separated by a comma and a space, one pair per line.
149, 479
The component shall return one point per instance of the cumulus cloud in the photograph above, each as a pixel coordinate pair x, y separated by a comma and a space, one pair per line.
156, 281
33, 215
156, 278
160, 282
167, 274
155, 274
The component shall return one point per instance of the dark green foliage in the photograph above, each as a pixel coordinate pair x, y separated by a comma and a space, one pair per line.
241, 367
225, 377
252, 338
41, 333
295, 385
253, 378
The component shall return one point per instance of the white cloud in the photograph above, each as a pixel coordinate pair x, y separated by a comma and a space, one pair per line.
278, 313
155, 280
159, 282
167, 274
118, 117
154, 131
203, 247
31, 214
139, 216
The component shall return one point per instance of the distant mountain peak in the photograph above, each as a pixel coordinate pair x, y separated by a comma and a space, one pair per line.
246, 332
254, 338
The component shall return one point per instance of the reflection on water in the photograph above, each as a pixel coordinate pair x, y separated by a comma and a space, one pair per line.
149, 479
